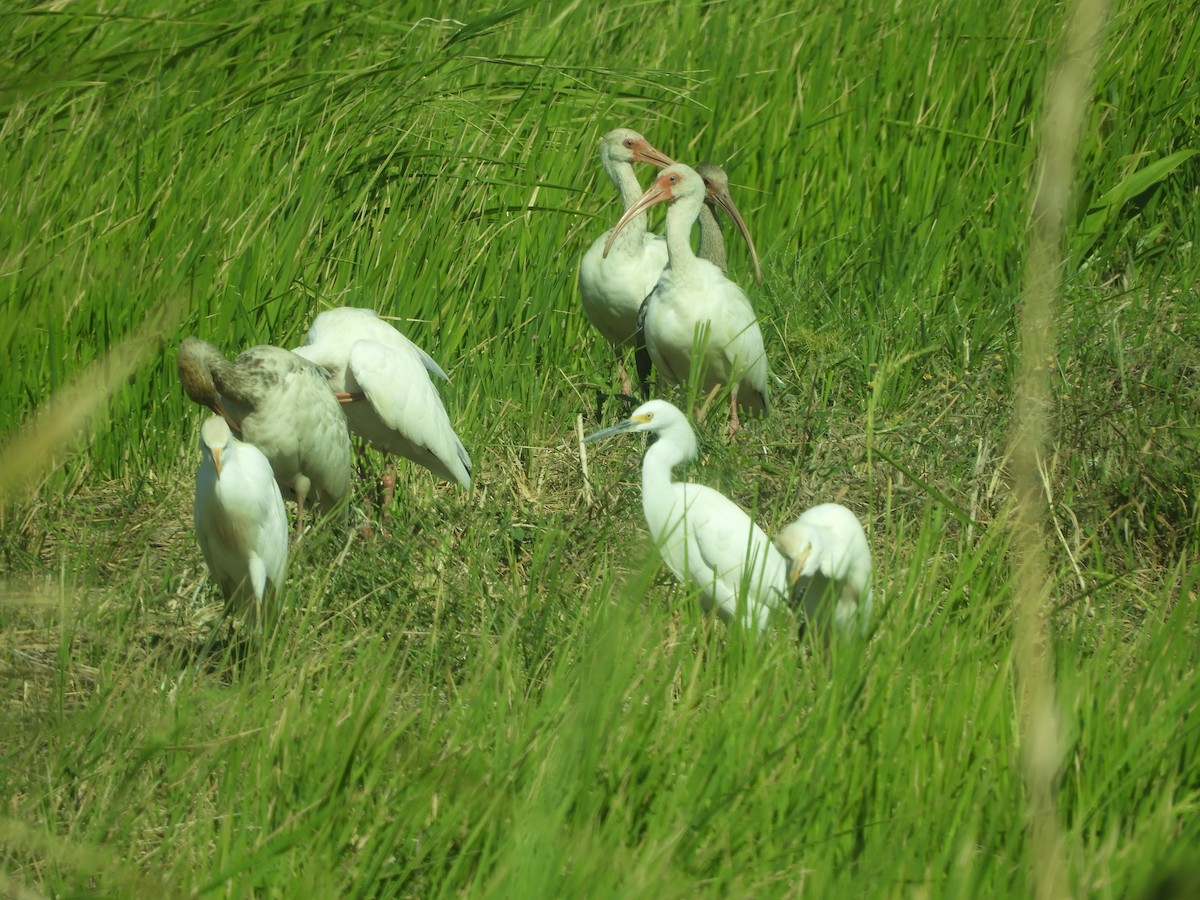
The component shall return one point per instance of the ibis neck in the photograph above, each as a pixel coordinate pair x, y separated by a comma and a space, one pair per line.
626, 183
680, 218
712, 243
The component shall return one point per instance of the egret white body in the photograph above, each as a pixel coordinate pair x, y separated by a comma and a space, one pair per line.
829, 564
241, 524
694, 307
282, 404
702, 535
613, 281
382, 379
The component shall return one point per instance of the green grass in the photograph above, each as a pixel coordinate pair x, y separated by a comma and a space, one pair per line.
504, 694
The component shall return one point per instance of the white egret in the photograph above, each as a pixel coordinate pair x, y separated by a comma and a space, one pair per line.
694, 306
241, 524
829, 563
702, 535
382, 380
282, 404
613, 281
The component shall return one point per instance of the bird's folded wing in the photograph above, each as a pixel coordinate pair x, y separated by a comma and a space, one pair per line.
397, 385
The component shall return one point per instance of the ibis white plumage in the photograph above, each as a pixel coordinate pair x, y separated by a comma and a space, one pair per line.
616, 275
712, 247
829, 568
694, 306
382, 379
282, 404
702, 535
241, 524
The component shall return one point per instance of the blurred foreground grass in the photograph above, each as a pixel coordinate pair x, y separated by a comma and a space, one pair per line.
502, 694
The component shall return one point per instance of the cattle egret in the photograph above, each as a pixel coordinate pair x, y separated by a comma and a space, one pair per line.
241, 524
703, 536
282, 404
382, 380
694, 307
717, 196
829, 562
614, 280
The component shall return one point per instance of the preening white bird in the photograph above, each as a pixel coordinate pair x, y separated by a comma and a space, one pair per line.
241, 524
829, 568
382, 380
615, 276
717, 196
282, 404
695, 305
702, 535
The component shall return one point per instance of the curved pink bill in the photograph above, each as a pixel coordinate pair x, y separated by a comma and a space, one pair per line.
720, 195
654, 194
643, 152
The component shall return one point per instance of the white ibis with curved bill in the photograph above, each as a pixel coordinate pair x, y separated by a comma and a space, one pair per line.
694, 307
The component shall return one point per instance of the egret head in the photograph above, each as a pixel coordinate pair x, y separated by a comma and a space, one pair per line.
627, 146
675, 182
795, 542
662, 421
215, 437
716, 195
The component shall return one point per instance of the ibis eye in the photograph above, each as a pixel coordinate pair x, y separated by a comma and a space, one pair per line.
674, 179
629, 143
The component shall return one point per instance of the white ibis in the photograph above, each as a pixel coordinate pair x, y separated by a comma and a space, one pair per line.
281, 403
695, 307
829, 563
615, 276
703, 536
382, 380
717, 196
241, 525
712, 247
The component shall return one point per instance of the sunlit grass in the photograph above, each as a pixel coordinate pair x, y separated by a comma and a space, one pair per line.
502, 693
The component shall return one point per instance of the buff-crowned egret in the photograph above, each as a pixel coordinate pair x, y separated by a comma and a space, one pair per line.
241, 524
695, 308
616, 275
829, 568
702, 535
283, 405
382, 380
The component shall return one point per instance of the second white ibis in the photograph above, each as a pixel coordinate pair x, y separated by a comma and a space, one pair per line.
616, 275
695, 309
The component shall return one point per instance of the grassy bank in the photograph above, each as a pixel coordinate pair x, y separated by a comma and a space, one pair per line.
502, 694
